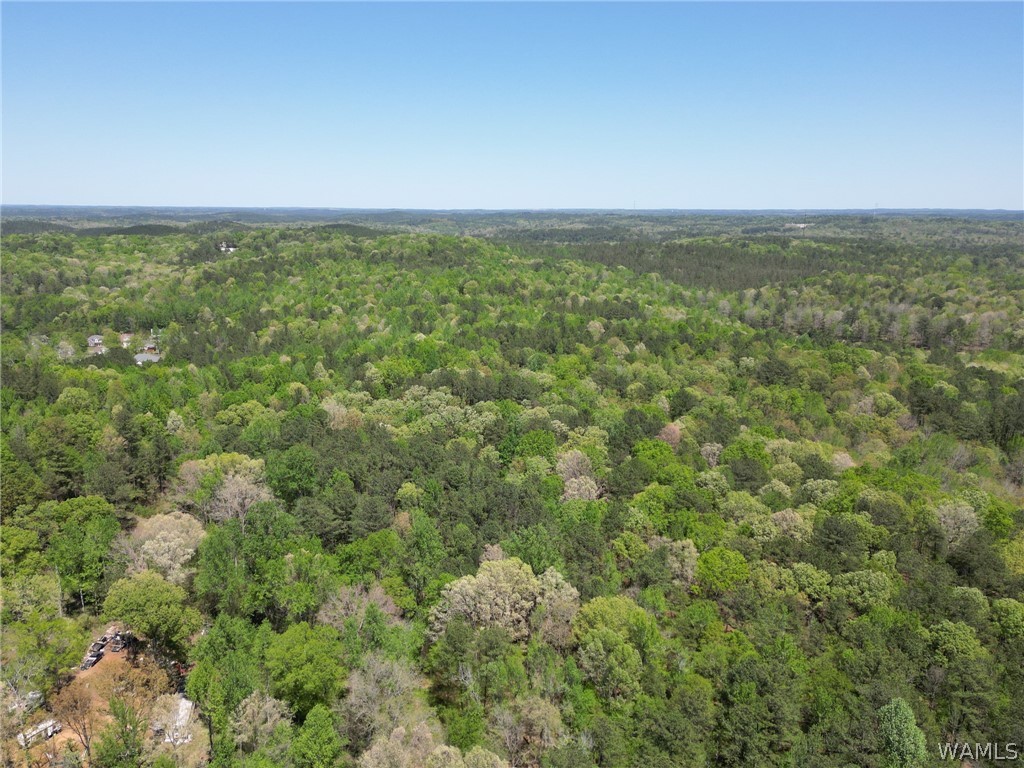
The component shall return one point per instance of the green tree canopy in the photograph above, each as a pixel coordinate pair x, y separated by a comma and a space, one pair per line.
154, 609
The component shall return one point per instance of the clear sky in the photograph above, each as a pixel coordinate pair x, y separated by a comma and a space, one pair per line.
515, 105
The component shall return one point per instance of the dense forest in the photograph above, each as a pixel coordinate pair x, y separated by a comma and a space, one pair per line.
576, 490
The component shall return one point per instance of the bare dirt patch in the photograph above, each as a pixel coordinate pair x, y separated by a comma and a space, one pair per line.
98, 680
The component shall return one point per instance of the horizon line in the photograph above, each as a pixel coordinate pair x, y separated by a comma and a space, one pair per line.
512, 209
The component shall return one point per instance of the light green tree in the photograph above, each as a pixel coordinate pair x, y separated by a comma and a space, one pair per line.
121, 745
719, 570
903, 743
305, 667
86, 527
317, 744
154, 609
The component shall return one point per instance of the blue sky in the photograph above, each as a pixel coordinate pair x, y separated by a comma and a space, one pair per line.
515, 105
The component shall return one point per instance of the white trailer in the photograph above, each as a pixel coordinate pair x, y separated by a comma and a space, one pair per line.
43, 730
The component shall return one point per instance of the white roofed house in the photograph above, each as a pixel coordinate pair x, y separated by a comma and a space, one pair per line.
174, 719
180, 734
96, 346
150, 352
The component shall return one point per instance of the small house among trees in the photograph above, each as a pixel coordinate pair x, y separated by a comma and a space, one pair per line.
96, 345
